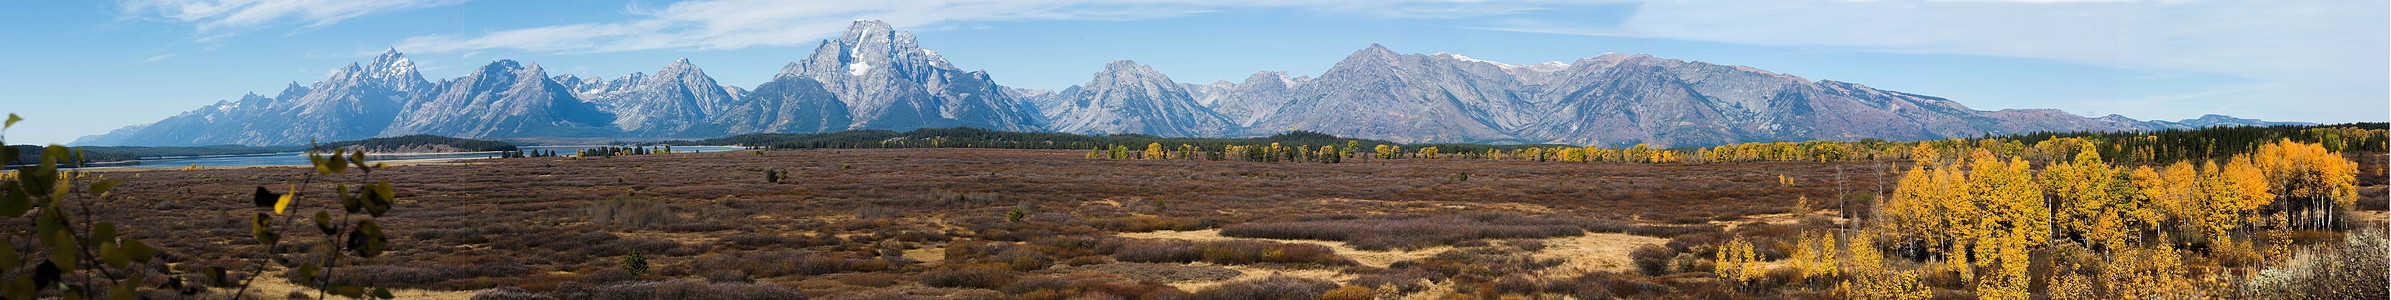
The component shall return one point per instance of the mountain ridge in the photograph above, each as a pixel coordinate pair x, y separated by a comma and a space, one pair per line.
877, 77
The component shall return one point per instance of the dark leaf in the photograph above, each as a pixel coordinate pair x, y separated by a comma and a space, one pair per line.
347, 291
261, 226
265, 198
323, 222
46, 275
353, 204
102, 232
101, 188
367, 239
216, 276
14, 200
137, 250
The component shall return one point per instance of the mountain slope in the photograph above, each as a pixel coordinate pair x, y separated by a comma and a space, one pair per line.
1378, 94
887, 81
875, 77
676, 99
355, 102
1131, 98
503, 99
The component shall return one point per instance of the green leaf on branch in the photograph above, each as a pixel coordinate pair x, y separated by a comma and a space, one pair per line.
262, 226
14, 201
102, 232
138, 251
101, 188
367, 239
323, 222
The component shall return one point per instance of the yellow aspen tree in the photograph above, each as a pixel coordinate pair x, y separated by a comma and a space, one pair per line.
2218, 202
1639, 152
2009, 281
1956, 216
2312, 176
2170, 193
2250, 181
1738, 263
2126, 211
1910, 210
1925, 154
1154, 151
1818, 250
2068, 285
1827, 152
2146, 273
2081, 190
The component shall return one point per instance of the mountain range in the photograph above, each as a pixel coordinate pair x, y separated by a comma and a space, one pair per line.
875, 77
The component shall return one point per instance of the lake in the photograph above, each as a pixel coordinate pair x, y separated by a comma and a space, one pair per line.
298, 158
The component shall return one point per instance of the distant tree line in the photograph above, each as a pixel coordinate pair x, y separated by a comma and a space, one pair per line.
619, 151
965, 137
423, 140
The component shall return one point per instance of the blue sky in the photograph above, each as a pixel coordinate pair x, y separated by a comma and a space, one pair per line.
76, 68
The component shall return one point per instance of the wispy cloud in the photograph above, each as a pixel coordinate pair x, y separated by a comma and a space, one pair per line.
160, 57
214, 19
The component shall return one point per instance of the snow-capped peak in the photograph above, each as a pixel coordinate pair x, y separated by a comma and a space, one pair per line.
859, 67
1467, 59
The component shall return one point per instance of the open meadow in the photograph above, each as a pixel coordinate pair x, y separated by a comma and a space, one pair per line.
1044, 224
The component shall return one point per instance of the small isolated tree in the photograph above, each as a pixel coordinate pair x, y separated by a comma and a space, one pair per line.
635, 263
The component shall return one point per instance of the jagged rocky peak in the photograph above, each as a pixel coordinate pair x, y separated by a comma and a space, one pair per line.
1129, 71
1374, 55
294, 91
679, 66
1128, 97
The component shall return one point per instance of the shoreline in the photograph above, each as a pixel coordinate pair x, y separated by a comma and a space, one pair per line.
393, 163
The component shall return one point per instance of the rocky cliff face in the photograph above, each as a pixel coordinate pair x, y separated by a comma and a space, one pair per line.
1130, 98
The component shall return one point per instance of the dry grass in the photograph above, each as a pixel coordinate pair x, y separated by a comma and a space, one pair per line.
898, 212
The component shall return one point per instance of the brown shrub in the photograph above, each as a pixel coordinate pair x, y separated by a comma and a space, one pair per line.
1652, 259
1272, 288
1157, 251
975, 276
1241, 252
1414, 233
679, 289
869, 279
1350, 293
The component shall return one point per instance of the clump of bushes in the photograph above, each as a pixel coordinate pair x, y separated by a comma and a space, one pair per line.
984, 276
1416, 233
2351, 270
678, 289
1271, 288
636, 212
1230, 252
